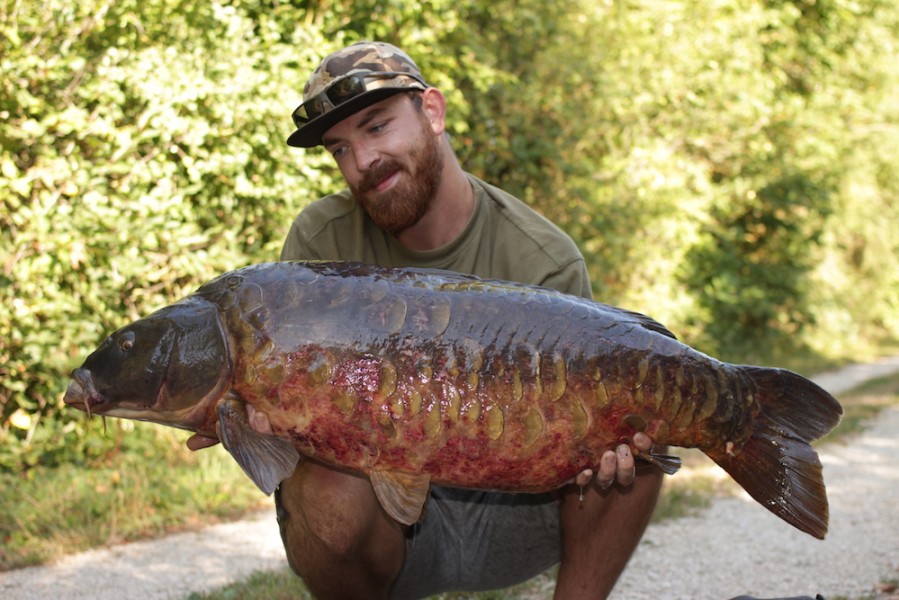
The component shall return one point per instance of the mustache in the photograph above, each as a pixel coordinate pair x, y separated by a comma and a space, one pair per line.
377, 173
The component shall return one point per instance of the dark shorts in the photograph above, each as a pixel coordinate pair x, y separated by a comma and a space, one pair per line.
471, 540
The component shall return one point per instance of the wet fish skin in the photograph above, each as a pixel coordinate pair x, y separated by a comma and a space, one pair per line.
416, 377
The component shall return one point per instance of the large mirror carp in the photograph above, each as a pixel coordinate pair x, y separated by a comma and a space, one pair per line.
415, 377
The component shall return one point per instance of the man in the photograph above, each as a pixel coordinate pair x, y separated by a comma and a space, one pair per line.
409, 203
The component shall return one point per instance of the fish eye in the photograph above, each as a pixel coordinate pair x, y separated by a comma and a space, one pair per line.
126, 341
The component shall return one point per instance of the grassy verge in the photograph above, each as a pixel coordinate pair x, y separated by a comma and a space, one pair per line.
261, 585
863, 404
284, 585
152, 486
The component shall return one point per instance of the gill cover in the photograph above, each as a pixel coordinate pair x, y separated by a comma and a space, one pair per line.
166, 363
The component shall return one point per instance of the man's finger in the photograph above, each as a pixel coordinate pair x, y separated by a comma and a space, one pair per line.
197, 442
608, 469
642, 442
584, 478
626, 470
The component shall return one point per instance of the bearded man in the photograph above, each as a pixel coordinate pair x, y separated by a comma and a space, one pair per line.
410, 204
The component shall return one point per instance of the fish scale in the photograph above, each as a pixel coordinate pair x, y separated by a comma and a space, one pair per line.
415, 377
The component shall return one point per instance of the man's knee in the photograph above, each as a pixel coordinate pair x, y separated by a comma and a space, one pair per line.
335, 534
323, 511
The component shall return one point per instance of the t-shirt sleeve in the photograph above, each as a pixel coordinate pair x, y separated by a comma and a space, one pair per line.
571, 279
295, 245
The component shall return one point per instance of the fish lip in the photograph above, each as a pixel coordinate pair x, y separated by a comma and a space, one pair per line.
81, 393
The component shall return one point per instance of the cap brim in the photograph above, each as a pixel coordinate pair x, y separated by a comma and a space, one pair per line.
310, 134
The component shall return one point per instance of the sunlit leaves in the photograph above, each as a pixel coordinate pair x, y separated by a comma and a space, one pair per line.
728, 167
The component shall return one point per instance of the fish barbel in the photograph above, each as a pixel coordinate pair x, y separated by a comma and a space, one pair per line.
415, 377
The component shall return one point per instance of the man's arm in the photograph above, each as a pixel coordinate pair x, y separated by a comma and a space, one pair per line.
571, 279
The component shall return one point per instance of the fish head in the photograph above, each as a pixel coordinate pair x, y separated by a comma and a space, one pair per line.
167, 368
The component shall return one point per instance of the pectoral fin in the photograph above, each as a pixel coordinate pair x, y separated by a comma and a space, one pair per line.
266, 459
402, 495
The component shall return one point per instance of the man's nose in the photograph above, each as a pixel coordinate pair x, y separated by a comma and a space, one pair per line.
366, 156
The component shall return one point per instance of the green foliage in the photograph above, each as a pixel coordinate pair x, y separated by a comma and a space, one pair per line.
752, 268
727, 167
143, 153
700, 156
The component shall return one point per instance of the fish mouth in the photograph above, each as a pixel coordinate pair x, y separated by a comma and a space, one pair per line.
81, 393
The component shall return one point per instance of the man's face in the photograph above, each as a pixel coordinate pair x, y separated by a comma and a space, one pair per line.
391, 159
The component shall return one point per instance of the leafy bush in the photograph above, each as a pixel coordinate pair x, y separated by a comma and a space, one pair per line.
727, 168
143, 153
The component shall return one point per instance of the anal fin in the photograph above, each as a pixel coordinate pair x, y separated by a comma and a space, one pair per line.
667, 463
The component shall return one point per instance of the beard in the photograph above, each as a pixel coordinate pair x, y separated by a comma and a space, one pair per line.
401, 207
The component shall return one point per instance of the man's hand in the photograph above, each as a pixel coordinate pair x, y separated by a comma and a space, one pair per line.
617, 465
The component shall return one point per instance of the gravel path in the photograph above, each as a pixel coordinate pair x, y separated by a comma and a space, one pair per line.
734, 547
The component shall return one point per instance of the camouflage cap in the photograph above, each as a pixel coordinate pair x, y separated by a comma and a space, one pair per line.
347, 81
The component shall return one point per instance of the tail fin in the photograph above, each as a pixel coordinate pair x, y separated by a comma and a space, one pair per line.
778, 466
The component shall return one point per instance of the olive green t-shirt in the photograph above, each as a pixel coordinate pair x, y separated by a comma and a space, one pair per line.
505, 239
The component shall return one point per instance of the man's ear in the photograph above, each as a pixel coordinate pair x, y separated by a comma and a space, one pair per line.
434, 107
